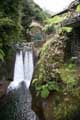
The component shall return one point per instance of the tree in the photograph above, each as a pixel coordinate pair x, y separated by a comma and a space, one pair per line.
10, 21
30, 11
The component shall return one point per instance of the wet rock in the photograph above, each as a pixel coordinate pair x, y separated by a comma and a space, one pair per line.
17, 105
3, 88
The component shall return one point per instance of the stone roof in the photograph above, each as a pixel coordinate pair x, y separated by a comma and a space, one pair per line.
75, 21
74, 4
73, 18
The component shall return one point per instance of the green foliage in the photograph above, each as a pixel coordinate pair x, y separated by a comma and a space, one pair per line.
67, 29
68, 75
55, 20
46, 75
9, 31
66, 108
49, 29
45, 48
10, 19
78, 8
46, 78
2, 55
44, 92
65, 87
10, 22
11, 9
54, 23
32, 11
10, 25
53, 86
6, 22
45, 89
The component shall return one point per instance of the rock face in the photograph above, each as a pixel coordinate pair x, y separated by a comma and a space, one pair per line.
55, 86
3, 88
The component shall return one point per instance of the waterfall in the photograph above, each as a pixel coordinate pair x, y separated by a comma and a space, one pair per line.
18, 98
28, 67
18, 71
23, 69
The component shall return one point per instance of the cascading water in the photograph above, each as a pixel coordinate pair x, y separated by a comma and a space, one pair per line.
28, 67
18, 71
23, 69
18, 105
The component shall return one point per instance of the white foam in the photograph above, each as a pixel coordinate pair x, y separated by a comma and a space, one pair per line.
23, 70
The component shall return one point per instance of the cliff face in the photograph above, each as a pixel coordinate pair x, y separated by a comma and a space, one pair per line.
55, 86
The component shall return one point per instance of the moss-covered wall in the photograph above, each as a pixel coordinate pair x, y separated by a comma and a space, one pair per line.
55, 83
55, 86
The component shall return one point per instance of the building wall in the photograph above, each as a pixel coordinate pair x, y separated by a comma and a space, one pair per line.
72, 46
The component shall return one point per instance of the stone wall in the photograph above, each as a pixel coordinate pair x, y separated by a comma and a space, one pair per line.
75, 46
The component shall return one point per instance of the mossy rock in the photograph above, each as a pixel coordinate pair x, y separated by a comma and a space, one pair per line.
56, 84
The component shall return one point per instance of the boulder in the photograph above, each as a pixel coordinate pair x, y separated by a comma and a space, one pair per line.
3, 88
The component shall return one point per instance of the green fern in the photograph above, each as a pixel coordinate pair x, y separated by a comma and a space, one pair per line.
55, 20
1, 55
44, 92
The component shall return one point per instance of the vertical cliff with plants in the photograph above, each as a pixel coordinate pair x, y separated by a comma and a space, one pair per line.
10, 32
55, 86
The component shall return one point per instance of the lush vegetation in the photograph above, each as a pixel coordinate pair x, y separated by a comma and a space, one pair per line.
10, 22
32, 11
15, 18
51, 72
54, 25
56, 81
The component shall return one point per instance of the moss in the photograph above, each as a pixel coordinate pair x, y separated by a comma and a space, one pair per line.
68, 75
67, 106
45, 48
57, 82
46, 71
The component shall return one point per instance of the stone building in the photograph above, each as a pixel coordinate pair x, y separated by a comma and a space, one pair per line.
72, 20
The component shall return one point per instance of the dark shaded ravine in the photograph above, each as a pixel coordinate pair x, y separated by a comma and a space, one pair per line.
16, 105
